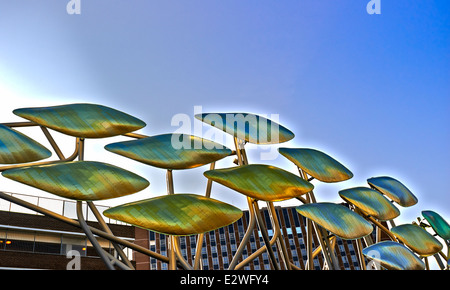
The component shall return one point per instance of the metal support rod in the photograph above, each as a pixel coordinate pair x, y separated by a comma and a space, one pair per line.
264, 234
106, 228
282, 250
172, 257
252, 222
52, 143
199, 245
362, 261
251, 225
20, 124
91, 237
169, 181
256, 253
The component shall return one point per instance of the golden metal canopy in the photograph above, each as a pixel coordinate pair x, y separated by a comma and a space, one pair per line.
171, 151
177, 214
80, 180
394, 189
337, 219
393, 256
417, 239
249, 127
439, 224
82, 120
317, 164
262, 182
371, 202
16, 147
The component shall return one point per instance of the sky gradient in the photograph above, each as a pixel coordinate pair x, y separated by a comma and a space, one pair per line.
372, 91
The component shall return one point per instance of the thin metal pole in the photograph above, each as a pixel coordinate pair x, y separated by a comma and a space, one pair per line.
199, 246
281, 244
91, 237
251, 225
106, 228
53, 143
252, 222
257, 253
264, 234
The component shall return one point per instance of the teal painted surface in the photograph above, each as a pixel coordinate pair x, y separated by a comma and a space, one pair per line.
371, 202
336, 218
176, 214
262, 182
15, 147
249, 127
82, 120
171, 151
317, 164
394, 189
438, 223
393, 256
80, 180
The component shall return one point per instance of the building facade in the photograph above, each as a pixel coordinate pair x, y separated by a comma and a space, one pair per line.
219, 246
32, 241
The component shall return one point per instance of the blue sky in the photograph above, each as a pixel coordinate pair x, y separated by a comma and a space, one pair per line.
370, 90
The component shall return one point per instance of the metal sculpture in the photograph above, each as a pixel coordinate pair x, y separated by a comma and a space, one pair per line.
176, 214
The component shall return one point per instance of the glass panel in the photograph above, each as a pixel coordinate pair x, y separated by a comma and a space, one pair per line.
21, 209
52, 204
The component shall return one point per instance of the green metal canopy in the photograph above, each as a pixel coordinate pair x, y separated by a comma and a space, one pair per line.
82, 120
80, 180
371, 202
262, 182
248, 127
15, 147
394, 189
417, 239
438, 223
176, 214
336, 218
317, 164
171, 151
393, 256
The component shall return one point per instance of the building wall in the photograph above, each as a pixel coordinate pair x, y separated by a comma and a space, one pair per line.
219, 246
38, 242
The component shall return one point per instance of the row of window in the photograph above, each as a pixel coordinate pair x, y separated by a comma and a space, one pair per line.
48, 243
219, 237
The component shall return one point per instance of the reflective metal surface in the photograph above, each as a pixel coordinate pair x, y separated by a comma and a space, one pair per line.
336, 218
371, 202
438, 223
393, 256
394, 189
317, 164
80, 180
262, 182
16, 147
171, 151
177, 214
418, 239
82, 120
249, 127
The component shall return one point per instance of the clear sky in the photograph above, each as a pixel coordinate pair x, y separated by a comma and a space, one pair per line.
370, 90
